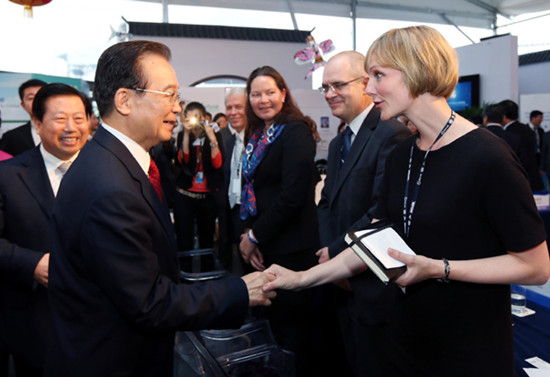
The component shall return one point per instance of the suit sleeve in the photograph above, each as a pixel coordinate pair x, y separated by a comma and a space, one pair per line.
17, 263
323, 210
125, 265
393, 137
297, 176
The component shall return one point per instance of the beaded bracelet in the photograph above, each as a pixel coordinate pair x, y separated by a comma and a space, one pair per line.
447, 271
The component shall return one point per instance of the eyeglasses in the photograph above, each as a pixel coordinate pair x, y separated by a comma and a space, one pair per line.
336, 85
174, 96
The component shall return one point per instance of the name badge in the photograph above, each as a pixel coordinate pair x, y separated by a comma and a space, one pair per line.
199, 177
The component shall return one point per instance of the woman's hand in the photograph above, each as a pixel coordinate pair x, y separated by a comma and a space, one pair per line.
257, 259
246, 247
284, 279
210, 133
419, 268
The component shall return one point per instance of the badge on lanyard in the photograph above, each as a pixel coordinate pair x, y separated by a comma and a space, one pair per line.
199, 177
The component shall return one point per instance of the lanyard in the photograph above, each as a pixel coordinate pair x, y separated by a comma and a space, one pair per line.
408, 211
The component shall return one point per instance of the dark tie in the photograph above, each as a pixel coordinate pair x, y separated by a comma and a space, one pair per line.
347, 143
154, 177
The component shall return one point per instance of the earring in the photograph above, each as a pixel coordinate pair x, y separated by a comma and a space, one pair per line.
283, 100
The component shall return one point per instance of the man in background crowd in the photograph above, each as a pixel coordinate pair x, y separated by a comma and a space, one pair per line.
27, 190
528, 142
24, 137
233, 138
356, 162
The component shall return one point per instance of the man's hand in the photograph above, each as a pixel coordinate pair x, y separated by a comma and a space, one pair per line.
41, 270
256, 294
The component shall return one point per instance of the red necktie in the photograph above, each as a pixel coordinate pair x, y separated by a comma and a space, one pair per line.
154, 177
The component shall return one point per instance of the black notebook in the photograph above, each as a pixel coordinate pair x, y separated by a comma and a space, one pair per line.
371, 245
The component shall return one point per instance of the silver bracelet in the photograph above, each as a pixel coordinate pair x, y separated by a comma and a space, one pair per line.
447, 271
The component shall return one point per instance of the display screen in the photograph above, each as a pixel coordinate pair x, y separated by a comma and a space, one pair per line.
466, 93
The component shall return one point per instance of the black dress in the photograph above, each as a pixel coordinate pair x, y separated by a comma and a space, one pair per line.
474, 202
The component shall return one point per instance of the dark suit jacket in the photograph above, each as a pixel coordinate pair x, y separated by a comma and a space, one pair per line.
26, 202
285, 194
513, 140
18, 140
545, 154
230, 224
114, 277
528, 143
350, 190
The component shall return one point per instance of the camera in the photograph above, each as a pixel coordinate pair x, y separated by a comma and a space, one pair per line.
197, 122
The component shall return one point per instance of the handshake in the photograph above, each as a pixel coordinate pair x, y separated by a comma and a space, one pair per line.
261, 285
255, 282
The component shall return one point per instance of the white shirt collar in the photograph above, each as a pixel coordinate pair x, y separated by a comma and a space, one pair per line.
51, 163
356, 123
141, 155
34, 133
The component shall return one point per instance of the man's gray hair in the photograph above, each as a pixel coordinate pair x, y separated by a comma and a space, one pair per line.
235, 91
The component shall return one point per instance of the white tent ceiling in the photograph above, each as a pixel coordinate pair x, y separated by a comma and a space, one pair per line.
473, 13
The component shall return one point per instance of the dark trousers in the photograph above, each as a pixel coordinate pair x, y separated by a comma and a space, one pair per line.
187, 210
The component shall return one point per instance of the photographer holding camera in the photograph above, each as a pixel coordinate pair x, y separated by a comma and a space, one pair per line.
201, 157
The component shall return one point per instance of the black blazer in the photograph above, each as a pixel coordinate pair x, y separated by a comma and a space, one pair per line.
18, 140
351, 189
214, 177
285, 194
529, 145
114, 278
26, 202
228, 140
513, 140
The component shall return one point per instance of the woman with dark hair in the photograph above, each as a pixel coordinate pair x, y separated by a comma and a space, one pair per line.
201, 177
278, 201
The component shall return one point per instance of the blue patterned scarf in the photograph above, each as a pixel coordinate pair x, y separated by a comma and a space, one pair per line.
255, 152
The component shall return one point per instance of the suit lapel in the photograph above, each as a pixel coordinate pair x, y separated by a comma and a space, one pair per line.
35, 178
148, 192
358, 147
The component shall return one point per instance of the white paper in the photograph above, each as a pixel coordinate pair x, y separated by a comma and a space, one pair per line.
379, 243
532, 372
538, 362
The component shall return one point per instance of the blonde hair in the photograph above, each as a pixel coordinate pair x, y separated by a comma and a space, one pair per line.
427, 61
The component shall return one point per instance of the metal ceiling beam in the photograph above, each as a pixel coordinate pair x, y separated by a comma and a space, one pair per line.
165, 11
353, 15
450, 22
291, 11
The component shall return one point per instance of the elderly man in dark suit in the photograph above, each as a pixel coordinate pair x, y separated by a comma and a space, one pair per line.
356, 163
233, 142
114, 284
24, 137
27, 190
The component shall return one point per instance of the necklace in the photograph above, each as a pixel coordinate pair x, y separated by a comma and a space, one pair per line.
408, 210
